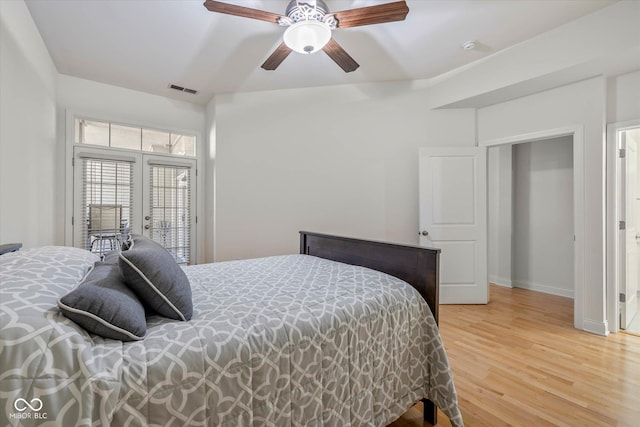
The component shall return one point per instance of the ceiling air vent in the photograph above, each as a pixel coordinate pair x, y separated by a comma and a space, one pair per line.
183, 89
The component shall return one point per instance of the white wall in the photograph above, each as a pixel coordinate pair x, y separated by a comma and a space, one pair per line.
492, 214
208, 229
543, 216
623, 98
500, 214
28, 194
579, 107
340, 159
128, 105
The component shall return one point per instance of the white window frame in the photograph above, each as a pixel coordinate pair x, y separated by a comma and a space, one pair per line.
70, 115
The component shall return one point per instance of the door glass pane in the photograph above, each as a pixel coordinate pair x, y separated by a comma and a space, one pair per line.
107, 203
125, 137
155, 141
91, 132
183, 145
170, 223
137, 138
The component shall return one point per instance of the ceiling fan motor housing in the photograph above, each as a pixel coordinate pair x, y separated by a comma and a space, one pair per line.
310, 10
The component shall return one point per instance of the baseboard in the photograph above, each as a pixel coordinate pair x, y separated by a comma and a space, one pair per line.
501, 281
596, 327
567, 293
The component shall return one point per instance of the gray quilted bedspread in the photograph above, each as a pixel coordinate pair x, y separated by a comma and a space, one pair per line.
281, 341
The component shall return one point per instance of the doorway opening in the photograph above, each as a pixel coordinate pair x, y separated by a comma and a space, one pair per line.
531, 215
577, 263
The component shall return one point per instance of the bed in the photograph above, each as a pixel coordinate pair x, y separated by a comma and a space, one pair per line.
329, 337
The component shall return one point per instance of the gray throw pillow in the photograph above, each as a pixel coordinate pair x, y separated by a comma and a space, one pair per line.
111, 257
153, 274
104, 305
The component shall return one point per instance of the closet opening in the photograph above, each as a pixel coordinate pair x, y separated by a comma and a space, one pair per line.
531, 230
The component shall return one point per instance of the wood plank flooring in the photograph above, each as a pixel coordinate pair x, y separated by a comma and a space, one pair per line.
518, 361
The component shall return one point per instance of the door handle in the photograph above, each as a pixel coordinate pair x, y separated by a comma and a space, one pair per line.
147, 218
424, 233
146, 227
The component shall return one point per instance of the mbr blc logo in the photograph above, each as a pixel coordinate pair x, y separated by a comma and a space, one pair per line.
34, 406
21, 404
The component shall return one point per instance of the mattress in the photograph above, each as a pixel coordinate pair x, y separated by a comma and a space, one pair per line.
280, 341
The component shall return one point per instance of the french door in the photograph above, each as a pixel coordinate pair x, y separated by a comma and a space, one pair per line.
116, 193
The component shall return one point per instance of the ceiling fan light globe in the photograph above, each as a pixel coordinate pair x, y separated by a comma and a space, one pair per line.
307, 36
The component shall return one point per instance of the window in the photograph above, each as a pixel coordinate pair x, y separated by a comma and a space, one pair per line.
107, 134
130, 179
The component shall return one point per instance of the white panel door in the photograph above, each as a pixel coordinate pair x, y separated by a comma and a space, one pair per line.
453, 217
628, 236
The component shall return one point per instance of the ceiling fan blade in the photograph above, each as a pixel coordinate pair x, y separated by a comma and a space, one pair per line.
246, 12
276, 58
389, 12
340, 56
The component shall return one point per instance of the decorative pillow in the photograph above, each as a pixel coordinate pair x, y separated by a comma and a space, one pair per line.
153, 274
112, 257
104, 305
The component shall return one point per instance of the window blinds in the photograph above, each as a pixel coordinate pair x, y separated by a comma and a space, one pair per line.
170, 214
106, 202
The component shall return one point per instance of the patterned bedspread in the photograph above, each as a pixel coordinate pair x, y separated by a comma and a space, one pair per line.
281, 341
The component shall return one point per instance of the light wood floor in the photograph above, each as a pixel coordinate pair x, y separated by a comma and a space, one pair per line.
518, 361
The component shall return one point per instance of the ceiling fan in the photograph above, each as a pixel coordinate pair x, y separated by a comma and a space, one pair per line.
309, 24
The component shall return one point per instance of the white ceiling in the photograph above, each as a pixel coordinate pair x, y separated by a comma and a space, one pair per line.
148, 44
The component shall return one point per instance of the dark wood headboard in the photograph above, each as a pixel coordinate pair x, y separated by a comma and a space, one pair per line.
416, 265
